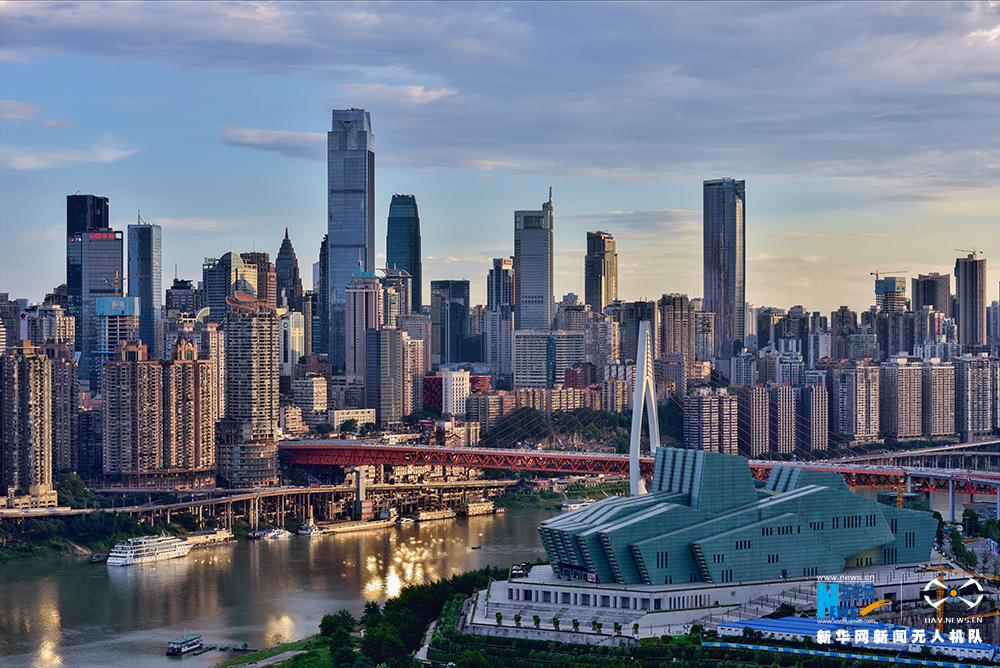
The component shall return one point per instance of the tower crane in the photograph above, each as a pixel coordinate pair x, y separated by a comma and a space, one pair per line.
878, 273
116, 282
974, 252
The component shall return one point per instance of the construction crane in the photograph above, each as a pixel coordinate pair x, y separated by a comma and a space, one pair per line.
116, 282
878, 273
974, 252
953, 591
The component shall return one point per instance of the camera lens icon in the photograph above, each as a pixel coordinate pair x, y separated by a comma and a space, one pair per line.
970, 593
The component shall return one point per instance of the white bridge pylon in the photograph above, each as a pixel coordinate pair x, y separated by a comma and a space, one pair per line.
644, 390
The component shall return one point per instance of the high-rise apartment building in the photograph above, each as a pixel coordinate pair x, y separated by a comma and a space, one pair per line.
531, 358
629, 317
704, 335
189, 415
454, 392
145, 278
251, 329
854, 400
710, 421
402, 245
133, 411
350, 217
567, 349
938, 397
754, 421
677, 328
181, 297
364, 311
901, 399
117, 320
449, 319
414, 369
310, 395
572, 314
725, 262
600, 271
500, 284
25, 420
418, 326
970, 287
93, 269
890, 293
973, 405
288, 283
534, 297
265, 284
65, 400
814, 411
934, 290
782, 418
211, 342
50, 322
291, 343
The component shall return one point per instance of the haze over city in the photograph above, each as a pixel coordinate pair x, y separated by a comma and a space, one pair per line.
868, 135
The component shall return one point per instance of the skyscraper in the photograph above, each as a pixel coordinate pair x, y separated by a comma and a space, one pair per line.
364, 312
251, 328
350, 216
677, 328
934, 290
266, 282
222, 278
500, 284
25, 420
600, 271
145, 272
188, 409
133, 411
289, 284
383, 373
970, 286
402, 245
93, 268
725, 261
534, 296
890, 293
449, 319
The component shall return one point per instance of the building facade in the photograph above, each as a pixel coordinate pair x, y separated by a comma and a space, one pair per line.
449, 319
402, 245
600, 271
533, 268
145, 278
288, 283
25, 420
725, 262
970, 288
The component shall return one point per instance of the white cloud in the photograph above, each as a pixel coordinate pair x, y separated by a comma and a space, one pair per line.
305, 145
16, 111
28, 158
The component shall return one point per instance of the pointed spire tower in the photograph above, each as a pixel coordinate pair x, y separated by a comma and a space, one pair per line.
289, 284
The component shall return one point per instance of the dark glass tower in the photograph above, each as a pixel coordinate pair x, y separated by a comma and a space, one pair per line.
533, 252
145, 270
286, 267
350, 216
402, 244
600, 271
449, 319
725, 261
93, 269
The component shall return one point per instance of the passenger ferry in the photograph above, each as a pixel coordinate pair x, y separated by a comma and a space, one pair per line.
183, 645
276, 534
481, 507
210, 537
146, 549
428, 515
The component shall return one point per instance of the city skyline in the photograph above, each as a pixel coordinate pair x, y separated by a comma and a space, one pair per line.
875, 185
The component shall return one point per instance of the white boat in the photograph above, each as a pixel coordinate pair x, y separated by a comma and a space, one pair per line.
147, 549
576, 504
428, 515
210, 537
183, 645
480, 507
276, 534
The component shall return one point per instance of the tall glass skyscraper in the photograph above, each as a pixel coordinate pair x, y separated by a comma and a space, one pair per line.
533, 293
350, 216
145, 270
402, 244
600, 271
93, 269
289, 284
449, 319
725, 261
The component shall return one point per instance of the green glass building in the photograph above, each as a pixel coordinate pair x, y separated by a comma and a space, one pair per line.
706, 521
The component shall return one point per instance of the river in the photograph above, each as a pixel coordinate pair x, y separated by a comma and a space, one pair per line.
69, 612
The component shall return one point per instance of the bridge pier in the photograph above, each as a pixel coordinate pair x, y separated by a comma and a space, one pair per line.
951, 499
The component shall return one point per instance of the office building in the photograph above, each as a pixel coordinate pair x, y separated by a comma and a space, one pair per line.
262, 276
901, 399
933, 290
725, 262
973, 405
291, 343
531, 358
133, 411
703, 521
189, 407
93, 269
25, 420
602, 341
533, 257
350, 218
310, 395
414, 368
402, 245
145, 278
600, 271
970, 287
938, 398
754, 421
814, 422
222, 278
454, 393
677, 328
322, 311
397, 286
572, 314
629, 317
181, 297
49, 322
500, 284
364, 310
288, 283
384, 374
567, 350
449, 319
711, 418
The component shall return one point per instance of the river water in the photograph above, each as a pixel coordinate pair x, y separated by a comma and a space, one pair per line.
69, 612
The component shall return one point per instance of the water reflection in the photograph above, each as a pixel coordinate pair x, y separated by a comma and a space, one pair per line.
69, 612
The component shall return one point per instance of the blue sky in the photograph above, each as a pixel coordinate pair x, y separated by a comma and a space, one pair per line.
868, 134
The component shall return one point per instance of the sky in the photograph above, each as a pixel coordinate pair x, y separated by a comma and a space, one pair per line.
868, 133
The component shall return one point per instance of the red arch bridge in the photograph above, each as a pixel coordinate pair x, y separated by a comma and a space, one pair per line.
362, 453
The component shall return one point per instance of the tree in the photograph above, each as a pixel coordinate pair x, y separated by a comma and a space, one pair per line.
635, 629
499, 618
576, 625
368, 428
537, 620
555, 623
517, 621
383, 644
970, 522
349, 426
372, 615
323, 428
341, 620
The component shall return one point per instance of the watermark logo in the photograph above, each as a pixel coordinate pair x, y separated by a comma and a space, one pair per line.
970, 593
846, 599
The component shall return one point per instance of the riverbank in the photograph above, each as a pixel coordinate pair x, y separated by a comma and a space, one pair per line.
530, 498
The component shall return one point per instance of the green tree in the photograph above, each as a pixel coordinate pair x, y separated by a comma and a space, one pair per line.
341, 620
383, 644
349, 426
970, 522
323, 428
372, 615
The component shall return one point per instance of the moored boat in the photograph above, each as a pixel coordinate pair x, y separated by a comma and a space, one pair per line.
480, 507
183, 645
428, 515
147, 549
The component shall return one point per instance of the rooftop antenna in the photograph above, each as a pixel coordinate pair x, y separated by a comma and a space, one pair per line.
175, 271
